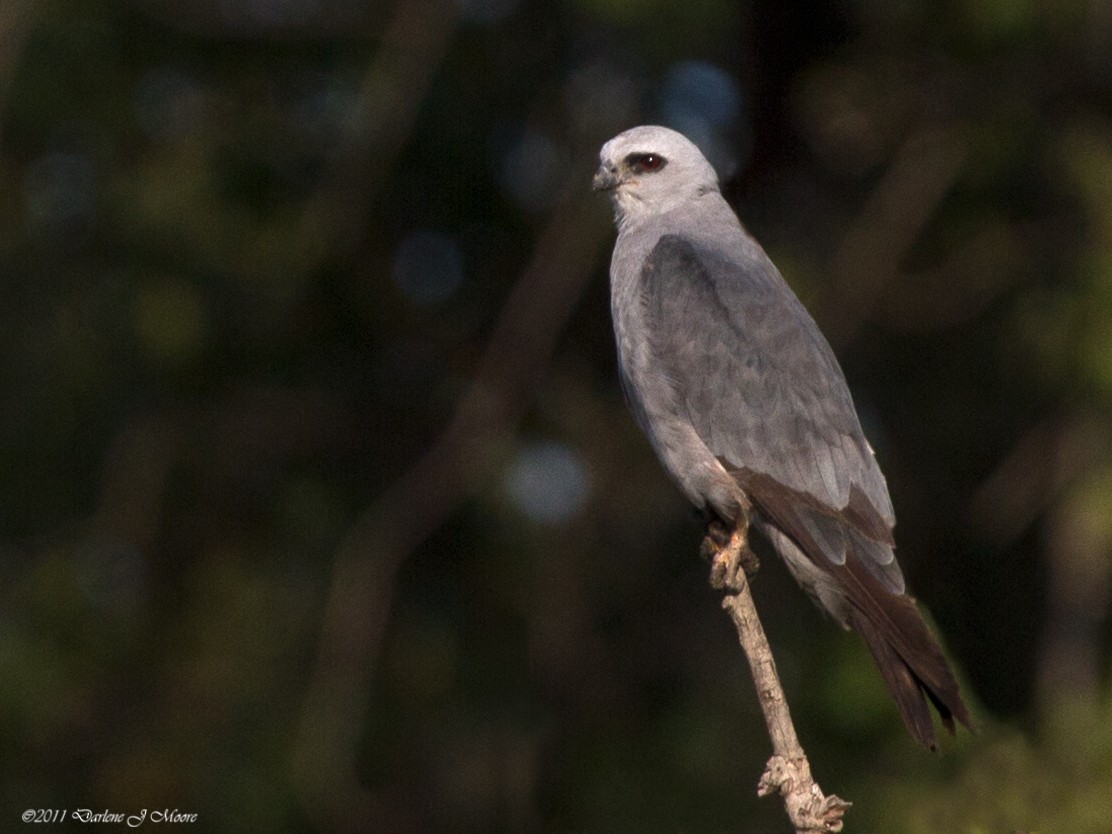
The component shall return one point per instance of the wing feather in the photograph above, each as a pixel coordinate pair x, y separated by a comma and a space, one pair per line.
758, 380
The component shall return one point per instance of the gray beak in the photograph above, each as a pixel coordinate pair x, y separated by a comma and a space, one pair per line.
606, 179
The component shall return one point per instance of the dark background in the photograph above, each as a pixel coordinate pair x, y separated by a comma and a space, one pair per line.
320, 509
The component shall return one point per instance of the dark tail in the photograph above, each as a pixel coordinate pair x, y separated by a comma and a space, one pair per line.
860, 589
911, 663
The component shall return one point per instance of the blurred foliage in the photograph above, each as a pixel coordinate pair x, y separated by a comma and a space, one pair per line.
252, 255
1058, 782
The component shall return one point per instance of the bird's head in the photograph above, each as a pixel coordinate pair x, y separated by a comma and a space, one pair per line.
648, 170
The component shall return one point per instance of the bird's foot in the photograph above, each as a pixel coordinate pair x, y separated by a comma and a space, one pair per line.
729, 553
716, 536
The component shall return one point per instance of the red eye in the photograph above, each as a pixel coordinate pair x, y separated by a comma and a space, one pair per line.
642, 163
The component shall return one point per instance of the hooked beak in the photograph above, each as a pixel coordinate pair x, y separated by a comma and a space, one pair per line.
606, 179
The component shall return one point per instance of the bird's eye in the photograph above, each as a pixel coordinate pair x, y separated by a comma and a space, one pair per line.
646, 163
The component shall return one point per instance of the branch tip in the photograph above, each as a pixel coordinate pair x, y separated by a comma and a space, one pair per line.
808, 808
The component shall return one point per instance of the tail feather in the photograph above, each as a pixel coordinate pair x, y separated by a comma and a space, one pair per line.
844, 560
913, 691
909, 656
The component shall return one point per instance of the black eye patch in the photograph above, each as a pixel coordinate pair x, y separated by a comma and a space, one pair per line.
645, 163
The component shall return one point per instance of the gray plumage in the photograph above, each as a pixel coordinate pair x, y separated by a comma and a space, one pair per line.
744, 402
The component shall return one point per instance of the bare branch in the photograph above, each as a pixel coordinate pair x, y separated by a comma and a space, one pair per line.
788, 772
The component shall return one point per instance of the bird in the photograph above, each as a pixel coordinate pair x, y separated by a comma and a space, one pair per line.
744, 403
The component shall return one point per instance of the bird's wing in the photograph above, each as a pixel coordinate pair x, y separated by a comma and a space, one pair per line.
764, 392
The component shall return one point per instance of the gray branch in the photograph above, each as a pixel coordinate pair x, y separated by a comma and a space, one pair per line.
788, 772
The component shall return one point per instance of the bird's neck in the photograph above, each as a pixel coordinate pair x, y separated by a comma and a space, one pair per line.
673, 216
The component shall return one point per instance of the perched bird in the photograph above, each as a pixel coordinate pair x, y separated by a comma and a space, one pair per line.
746, 407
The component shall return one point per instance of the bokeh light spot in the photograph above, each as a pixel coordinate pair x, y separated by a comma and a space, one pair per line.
486, 12
548, 482
168, 103
60, 193
428, 267
532, 170
704, 103
323, 105
699, 90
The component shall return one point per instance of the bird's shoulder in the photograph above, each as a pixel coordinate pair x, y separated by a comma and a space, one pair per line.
726, 288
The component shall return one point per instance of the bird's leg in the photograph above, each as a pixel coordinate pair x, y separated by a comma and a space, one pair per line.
727, 546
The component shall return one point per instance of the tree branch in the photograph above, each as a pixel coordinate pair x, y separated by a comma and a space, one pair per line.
788, 772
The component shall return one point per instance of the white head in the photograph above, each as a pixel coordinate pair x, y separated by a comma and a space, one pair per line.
650, 169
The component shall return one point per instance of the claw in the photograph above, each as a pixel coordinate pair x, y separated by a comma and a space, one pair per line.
715, 538
729, 552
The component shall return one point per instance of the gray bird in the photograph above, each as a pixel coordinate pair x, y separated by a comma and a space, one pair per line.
746, 406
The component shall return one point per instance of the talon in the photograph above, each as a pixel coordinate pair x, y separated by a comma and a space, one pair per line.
729, 557
749, 562
715, 539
